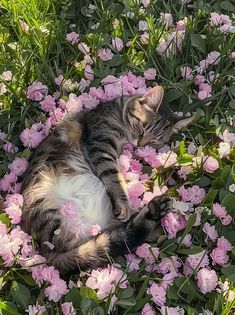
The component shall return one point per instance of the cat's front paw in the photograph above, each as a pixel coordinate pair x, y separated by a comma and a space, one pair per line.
122, 210
159, 206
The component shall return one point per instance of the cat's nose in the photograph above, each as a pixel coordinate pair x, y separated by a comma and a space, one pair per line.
142, 142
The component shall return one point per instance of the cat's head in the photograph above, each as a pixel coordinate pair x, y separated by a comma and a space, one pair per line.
149, 121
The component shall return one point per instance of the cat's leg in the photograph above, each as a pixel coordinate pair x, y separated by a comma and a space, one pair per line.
103, 161
117, 240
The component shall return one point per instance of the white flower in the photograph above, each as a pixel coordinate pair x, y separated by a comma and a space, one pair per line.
232, 188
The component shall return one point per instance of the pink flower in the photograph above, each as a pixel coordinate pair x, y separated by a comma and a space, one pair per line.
74, 103
117, 44
150, 254
219, 257
210, 231
3, 229
56, 290
105, 54
6, 183
89, 73
37, 91
148, 310
68, 209
48, 104
184, 171
187, 240
150, 74
73, 38
202, 95
173, 222
186, 72
94, 230
144, 38
224, 244
206, 280
17, 199
10, 147
89, 101
158, 294
143, 26
14, 212
193, 194
18, 166
68, 309
24, 26
219, 211
36, 309
132, 262
58, 80
105, 281
227, 220
198, 260
6, 75
31, 138
213, 58
171, 265
135, 189
215, 19
84, 48
157, 191
166, 310
166, 19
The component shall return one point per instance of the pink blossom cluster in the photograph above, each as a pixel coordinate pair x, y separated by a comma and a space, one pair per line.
9, 181
221, 213
219, 255
105, 281
223, 22
193, 194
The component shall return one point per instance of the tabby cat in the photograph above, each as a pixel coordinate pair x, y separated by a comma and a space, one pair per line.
78, 163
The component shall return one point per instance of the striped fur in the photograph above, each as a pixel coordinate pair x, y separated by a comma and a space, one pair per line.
78, 162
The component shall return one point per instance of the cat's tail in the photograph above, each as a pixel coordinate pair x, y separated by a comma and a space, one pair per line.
115, 241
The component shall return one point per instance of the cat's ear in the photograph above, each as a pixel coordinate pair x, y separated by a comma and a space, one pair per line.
153, 98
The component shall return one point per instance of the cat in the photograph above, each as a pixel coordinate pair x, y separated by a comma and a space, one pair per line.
78, 163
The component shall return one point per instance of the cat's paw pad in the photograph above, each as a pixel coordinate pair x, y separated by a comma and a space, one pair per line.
159, 206
122, 211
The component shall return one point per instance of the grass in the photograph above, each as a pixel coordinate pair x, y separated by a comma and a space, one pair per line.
43, 53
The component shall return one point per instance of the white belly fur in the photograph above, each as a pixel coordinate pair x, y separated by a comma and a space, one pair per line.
93, 205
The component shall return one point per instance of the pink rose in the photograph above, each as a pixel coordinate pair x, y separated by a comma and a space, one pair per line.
210, 165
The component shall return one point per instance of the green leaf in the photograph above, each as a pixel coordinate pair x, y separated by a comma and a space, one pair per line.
229, 202
88, 306
232, 89
126, 293
173, 94
5, 219
73, 296
198, 42
116, 61
232, 104
20, 294
86, 292
127, 302
226, 171
190, 251
210, 197
7, 308
182, 147
218, 183
172, 293
203, 181
229, 271
226, 5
